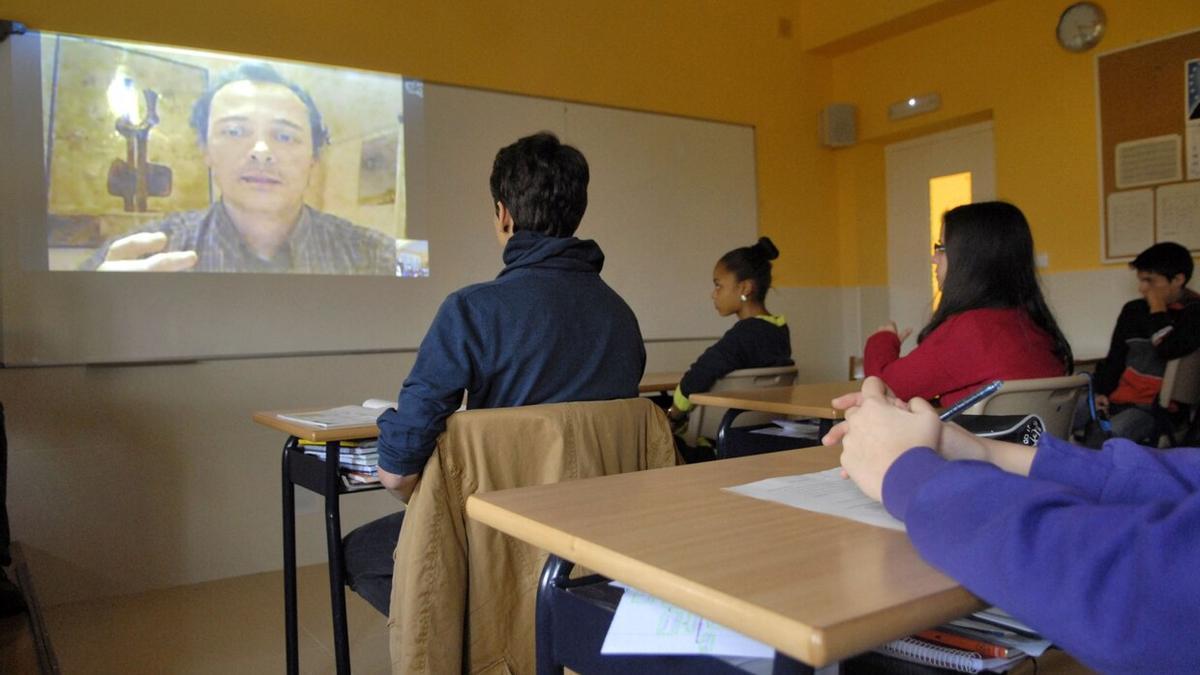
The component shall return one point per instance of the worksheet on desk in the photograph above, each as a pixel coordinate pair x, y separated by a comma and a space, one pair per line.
824, 492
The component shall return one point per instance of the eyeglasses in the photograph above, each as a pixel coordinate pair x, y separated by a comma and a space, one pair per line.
939, 247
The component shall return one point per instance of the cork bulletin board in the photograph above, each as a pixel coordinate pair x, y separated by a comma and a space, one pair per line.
1149, 107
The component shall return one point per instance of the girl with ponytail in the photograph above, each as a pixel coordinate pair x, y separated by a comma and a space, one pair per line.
759, 339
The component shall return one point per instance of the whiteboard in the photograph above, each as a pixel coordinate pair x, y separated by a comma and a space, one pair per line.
668, 196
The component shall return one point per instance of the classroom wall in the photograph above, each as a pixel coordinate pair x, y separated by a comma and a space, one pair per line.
997, 62
710, 59
130, 478
124, 479
842, 26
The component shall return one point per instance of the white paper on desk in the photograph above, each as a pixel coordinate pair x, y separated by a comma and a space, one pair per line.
824, 492
643, 624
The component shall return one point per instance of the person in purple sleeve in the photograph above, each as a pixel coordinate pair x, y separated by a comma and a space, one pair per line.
1098, 551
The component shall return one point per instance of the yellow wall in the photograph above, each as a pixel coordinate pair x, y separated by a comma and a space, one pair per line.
838, 26
999, 61
719, 60
711, 59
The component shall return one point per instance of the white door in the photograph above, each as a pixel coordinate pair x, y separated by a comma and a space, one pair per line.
926, 176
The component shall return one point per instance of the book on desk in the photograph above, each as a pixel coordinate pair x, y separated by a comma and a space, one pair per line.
341, 416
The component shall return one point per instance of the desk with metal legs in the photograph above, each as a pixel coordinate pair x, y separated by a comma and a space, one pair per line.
322, 477
800, 400
664, 382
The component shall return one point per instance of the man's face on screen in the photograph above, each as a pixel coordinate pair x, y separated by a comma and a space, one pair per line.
260, 147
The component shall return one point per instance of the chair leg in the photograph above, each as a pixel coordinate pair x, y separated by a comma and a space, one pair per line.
554, 572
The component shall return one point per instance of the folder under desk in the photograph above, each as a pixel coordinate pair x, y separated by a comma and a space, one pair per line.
798, 400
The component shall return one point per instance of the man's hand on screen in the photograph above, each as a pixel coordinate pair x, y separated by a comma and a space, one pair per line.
142, 252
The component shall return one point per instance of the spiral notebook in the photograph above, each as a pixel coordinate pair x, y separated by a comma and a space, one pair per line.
918, 651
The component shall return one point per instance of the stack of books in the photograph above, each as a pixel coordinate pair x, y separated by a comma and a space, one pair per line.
990, 640
358, 460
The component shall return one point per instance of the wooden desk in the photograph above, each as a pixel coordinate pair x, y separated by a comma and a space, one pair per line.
815, 587
304, 432
801, 400
323, 478
656, 382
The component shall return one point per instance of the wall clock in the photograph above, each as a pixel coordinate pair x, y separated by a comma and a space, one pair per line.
1081, 26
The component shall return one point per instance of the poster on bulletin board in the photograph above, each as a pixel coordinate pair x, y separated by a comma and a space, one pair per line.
1149, 107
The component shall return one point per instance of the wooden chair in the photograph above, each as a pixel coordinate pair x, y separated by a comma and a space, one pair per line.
1051, 398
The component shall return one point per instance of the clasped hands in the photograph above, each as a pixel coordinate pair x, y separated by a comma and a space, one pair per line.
879, 427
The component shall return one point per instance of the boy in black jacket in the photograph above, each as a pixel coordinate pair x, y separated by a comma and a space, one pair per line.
1163, 324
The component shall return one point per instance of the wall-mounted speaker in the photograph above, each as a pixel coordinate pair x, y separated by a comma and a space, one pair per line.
837, 125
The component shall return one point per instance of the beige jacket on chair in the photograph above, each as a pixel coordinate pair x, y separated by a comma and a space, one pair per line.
463, 594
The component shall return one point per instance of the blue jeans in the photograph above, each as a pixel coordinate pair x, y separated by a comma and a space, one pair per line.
368, 553
1135, 422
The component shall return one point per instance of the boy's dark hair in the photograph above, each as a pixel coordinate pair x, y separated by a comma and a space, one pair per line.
543, 184
754, 263
1166, 258
257, 72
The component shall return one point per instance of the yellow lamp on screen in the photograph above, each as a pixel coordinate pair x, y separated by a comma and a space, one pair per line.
123, 97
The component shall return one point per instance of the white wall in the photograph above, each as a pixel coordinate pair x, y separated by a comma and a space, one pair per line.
127, 478
1085, 304
123, 479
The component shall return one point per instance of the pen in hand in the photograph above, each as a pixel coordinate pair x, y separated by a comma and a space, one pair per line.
954, 410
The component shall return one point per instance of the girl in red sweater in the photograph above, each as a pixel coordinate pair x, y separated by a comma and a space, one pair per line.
992, 322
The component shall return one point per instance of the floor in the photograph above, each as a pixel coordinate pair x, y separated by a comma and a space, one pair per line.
18, 653
236, 626
226, 626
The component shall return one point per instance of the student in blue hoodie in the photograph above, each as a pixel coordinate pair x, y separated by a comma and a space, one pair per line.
548, 329
1097, 551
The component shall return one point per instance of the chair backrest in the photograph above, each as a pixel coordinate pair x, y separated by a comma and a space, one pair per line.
1181, 380
856, 369
1051, 398
706, 419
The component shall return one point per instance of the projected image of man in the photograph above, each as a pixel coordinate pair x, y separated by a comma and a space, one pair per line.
261, 136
